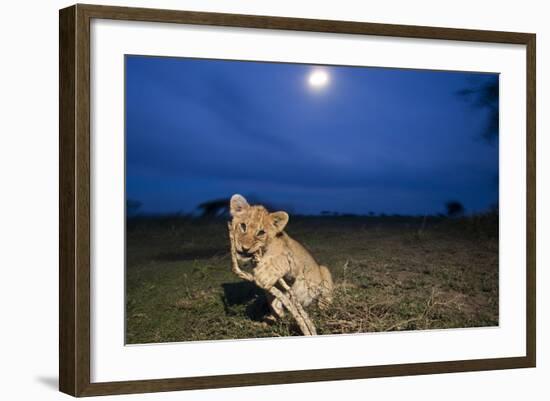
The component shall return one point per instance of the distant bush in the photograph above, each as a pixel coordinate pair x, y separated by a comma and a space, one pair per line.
454, 208
132, 207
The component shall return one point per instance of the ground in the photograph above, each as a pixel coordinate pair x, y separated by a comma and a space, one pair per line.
391, 273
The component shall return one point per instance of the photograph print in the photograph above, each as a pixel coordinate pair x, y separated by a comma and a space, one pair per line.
269, 199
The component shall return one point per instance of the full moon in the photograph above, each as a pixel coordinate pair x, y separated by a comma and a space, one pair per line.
318, 79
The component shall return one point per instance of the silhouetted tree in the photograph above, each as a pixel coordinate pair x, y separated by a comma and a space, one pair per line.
485, 96
132, 206
215, 208
454, 208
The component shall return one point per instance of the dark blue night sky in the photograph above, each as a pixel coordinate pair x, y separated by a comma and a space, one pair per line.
372, 139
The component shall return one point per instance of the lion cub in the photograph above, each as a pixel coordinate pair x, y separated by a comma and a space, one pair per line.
260, 240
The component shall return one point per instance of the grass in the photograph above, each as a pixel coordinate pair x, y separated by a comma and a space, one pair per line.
391, 273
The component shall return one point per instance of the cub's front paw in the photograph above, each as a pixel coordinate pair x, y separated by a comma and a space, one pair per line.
265, 278
269, 270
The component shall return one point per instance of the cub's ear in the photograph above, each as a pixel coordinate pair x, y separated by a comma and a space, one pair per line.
238, 204
280, 220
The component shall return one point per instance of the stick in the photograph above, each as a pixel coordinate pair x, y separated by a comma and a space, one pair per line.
293, 307
299, 309
234, 262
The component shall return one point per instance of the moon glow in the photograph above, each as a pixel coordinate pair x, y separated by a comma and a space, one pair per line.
318, 79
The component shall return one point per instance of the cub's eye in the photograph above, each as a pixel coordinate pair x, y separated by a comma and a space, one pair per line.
243, 227
260, 233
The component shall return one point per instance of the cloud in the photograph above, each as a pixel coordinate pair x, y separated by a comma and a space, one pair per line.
209, 123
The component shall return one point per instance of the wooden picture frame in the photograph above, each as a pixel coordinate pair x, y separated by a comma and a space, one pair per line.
74, 205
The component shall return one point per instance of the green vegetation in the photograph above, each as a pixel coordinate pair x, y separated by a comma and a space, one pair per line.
391, 273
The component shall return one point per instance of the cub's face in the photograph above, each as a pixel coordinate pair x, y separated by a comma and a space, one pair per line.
253, 226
